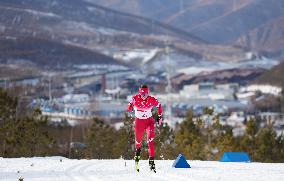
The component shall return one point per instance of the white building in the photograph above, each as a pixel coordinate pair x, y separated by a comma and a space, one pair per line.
270, 117
75, 98
209, 91
236, 119
265, 89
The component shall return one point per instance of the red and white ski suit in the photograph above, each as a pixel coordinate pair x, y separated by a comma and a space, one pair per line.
144, 120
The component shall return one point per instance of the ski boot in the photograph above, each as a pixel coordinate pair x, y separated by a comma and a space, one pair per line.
152, 164
137, 158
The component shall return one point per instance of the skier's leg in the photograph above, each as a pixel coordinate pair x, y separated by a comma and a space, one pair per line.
150, 141
150, 137
138, 131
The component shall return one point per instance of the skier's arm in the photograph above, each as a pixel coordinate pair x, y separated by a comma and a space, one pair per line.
160, 111
130, 105
159, 108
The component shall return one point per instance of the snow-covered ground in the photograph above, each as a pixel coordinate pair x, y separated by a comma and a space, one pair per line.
210, 66
52, 169
34, 12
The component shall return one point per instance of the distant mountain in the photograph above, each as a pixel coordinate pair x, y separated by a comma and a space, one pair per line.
48, 54
246, 22
57, 34
266, 39
56, 11
275, 76
89, 26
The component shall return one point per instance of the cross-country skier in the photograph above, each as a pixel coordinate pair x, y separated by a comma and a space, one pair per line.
142, 104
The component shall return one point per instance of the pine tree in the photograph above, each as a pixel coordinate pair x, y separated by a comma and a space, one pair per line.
164, 140
8, 107
164, 143
266, 145
280, 148
248, 140
188, 138
7, 116
124, 146
100, 140
32, 137
24, 135
226, 141
220, 138
213, 132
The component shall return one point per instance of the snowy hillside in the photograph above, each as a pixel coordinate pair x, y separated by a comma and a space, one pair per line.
51, 168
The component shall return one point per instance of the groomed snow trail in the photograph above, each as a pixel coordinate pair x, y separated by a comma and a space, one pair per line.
52, 169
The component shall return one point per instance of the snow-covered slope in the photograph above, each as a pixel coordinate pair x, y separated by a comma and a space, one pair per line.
51, 168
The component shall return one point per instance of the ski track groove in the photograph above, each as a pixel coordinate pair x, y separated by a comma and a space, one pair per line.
145, 171
87, 174
78, 170
180, 178
89, 170
50, 169
70, 170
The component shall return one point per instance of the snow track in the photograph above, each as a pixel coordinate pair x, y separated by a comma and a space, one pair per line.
52, 169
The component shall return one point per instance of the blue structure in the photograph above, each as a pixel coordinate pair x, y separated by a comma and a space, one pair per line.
181, 162
235, 157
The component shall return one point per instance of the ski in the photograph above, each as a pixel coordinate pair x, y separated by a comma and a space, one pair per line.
136, 158
152, 165
136, 166
153, 170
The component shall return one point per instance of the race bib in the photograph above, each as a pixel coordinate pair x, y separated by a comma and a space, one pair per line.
142, 114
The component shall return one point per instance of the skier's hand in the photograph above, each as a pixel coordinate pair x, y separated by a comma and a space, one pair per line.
129, 107
160, 120
130, 114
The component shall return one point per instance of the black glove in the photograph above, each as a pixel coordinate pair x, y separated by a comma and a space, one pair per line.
160, 120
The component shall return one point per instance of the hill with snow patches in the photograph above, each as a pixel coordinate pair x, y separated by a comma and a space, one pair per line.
59, 168
254, 24
90, 30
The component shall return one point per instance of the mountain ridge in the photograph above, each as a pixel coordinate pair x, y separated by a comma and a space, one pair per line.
275, 76
104, 16
72, 25
47, 53
215, 21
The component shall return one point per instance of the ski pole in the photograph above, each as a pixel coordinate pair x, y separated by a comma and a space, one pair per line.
161, 143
